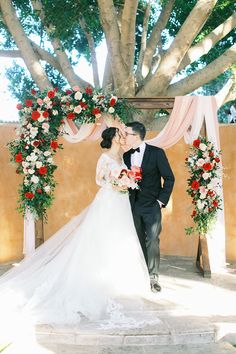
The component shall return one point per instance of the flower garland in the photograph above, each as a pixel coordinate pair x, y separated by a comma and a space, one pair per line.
42, 122
203, 164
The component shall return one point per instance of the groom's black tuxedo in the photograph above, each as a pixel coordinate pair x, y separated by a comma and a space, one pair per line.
156, 184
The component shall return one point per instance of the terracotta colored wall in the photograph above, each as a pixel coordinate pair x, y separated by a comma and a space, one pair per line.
76, 188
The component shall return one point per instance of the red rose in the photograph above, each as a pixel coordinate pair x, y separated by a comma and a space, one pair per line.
138, 176
62, 121
67, 104
71, 115
217, 159
196, 143
43, 170
28, 103
36, 143
96, 111
89, 90
19, 106
215, 203
207, 166
39, 190
29, 195
68, 92
83, 104
54, 144
51, 94
112, 102
195, 185
45, 114
35, 115
33, 91
211, 154
194, 213
18, 157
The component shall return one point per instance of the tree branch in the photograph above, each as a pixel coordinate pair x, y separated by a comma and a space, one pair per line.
63, 59
203, 76
92, 51
205, 45
155, 37
143, 43
128, 23
172, 58
9, 53
110, 26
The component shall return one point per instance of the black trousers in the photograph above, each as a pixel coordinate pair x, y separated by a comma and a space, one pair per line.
147, 221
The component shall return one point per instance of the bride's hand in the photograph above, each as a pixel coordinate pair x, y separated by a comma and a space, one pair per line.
120, 188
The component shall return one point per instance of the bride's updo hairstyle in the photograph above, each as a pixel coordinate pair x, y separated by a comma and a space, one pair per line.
107, 136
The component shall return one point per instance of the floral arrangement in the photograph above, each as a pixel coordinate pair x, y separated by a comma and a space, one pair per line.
42, 119
126, 178
203, 164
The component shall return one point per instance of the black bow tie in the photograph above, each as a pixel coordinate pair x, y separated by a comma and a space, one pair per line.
132, 151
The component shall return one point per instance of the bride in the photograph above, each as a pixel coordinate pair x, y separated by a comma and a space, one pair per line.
90, 264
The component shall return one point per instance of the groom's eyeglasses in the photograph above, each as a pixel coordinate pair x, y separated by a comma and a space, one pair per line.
130, 134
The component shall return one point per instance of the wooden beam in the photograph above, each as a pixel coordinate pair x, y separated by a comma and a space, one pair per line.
152, 102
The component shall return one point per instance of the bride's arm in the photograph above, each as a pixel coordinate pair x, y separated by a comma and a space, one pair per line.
102, 171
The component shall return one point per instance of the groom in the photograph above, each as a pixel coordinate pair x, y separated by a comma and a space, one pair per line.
153, 195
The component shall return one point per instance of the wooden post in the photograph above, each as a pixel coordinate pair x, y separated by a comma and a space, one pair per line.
202, 260
39, 232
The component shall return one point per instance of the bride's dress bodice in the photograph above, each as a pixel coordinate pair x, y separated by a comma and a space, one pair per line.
105, 166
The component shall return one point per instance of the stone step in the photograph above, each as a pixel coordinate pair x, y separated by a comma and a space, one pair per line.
58, 348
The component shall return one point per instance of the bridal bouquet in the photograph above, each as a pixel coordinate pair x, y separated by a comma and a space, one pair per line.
126, 178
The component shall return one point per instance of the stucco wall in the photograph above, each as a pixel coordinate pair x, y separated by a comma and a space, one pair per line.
76, 189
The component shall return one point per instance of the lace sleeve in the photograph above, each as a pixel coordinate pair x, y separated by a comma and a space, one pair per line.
102, 171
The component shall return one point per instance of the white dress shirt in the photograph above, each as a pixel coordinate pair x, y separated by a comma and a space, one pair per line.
137, 159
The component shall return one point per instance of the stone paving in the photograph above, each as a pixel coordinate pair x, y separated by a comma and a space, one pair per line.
198, 315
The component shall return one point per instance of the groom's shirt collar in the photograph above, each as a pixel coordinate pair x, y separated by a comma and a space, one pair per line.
137, 157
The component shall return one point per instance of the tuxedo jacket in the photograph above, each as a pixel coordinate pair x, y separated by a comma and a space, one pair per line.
157, 178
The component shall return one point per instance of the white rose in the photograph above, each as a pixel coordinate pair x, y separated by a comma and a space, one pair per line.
45, 126
47, 153
78, 95
78, 109
95, 98
55, 112
25, 164
26, 182
206, 175
29, 125
202, 147
50, 160
47, 99
111, 110
202, 196
47, 189
34, 157
39, 164
31, 171
25, 171
41, 119
34, 179
28, 158
200, 162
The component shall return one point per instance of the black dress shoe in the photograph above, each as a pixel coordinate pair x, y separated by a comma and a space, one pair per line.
155, 287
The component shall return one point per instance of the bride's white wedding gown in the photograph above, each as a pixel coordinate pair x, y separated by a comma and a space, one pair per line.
87, 267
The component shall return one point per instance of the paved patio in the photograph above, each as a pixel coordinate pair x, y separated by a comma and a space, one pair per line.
198, 315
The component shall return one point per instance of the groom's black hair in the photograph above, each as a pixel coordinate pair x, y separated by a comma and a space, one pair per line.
138, 128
